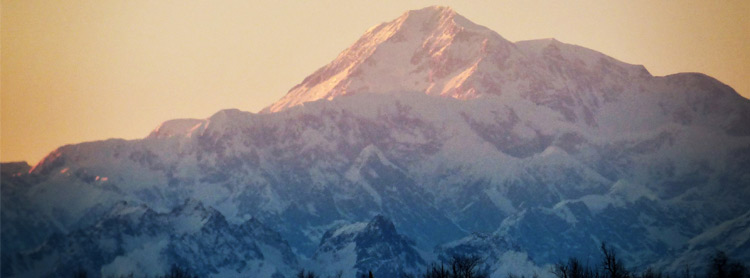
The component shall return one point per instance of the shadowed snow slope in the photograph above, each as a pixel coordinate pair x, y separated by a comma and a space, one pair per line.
134, 239
359, 248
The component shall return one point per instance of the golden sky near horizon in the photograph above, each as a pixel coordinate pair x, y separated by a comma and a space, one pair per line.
74, 71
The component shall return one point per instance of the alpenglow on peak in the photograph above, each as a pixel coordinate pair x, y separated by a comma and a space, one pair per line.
438, 52
431, 50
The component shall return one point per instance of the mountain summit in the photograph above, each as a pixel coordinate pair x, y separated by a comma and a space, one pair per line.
432, 50
439, 52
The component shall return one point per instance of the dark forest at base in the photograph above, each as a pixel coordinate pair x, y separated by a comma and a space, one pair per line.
610, 266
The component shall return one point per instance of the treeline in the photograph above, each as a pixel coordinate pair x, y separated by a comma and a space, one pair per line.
719, 265
174, 272
457, 267
611, 266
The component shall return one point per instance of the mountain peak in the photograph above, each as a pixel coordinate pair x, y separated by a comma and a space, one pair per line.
431, 50
381, 225
430, 13
14, 168
438, 52
435, 8
436, 17
370, 247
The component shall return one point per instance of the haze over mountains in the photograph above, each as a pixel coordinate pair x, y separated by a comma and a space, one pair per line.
430, 136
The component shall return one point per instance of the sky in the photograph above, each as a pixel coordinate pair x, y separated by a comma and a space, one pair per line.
85, 70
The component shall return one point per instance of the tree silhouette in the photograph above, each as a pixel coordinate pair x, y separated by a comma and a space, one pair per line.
306, 274
178, 272
80, 273
651, 273
458, 267
612, 265
574, 269
720, 266
686, 273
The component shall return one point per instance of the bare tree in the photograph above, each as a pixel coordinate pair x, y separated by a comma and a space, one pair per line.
686, 273
80, 273
560, 270
651, 273
436, 271
722, 267
306, 274
466, 267
178, 272
612, 265
459, 267
574, 269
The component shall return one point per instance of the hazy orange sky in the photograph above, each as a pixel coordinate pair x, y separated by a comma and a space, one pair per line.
75, 71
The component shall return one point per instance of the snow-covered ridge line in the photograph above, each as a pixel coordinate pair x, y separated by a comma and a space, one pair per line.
131, 238
438, 52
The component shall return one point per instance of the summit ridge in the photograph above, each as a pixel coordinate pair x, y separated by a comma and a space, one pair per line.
406, 54
438, 52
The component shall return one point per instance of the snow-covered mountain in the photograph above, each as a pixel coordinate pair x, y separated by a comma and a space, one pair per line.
447, 129
438, 52
498, 256
135, 239
360, 248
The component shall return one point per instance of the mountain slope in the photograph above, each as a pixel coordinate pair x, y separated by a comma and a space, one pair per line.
498, 256
360, 248
134, 239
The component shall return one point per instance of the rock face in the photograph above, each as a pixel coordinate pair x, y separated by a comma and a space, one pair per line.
445, 128
360, 248
498, 256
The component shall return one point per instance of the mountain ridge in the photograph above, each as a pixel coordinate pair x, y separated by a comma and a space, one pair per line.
436, 36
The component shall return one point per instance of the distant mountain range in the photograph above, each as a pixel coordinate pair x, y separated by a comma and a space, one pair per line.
431, 136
